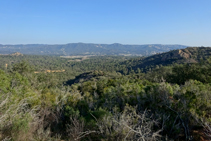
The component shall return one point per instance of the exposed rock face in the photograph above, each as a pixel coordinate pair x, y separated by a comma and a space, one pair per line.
177, 54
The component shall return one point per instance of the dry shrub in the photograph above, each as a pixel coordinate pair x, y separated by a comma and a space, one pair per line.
76, 129
129, 126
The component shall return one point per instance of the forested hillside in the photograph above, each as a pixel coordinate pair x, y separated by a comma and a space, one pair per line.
161, 97
188, 55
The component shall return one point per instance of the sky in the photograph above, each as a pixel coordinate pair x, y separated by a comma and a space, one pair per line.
185, 22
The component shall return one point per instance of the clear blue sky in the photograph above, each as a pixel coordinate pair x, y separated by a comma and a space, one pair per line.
186, 22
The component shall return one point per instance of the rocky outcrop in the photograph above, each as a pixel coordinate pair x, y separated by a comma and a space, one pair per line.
177, 54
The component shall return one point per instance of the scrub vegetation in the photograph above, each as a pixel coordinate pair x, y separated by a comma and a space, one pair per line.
161, 97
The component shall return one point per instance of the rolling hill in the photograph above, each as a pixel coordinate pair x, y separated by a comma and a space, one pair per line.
180, 56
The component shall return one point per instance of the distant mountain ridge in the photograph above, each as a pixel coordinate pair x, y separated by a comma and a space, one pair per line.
88, 49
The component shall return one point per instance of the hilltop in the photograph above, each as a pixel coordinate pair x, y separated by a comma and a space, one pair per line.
180, 56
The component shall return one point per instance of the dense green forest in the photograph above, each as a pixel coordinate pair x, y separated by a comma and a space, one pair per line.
161, 97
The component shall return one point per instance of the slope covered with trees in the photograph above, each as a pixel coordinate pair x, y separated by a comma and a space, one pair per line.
188, 55
104, 99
